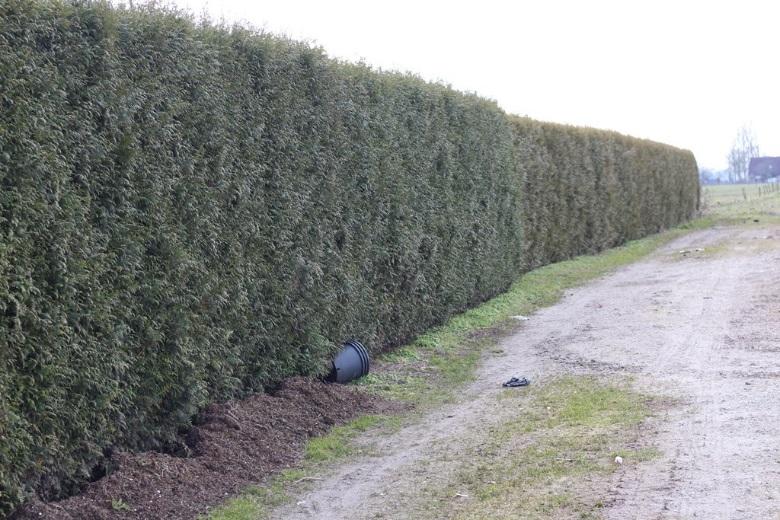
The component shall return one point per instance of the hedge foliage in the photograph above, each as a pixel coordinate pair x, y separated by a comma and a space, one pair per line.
189, 213
585, 190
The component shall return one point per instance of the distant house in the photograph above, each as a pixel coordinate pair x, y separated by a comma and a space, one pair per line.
762, 169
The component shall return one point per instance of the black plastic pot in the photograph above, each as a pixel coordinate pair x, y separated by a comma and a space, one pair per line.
351, 363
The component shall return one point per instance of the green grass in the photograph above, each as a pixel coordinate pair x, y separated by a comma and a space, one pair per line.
532, 467
737, 193
255, 502
741, 203
337, 443
119, 505
241, 508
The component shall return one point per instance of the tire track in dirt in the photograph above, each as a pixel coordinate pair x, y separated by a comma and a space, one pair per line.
721, 450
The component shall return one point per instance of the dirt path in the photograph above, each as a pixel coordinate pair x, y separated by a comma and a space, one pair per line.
703, 327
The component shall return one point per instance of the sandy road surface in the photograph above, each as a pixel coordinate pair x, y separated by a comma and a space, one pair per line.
703, 327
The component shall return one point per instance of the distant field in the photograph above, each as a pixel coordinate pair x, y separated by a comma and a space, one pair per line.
740, 201
730, 193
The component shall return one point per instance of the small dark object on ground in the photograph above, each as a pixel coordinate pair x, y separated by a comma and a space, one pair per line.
515, 382
351, 363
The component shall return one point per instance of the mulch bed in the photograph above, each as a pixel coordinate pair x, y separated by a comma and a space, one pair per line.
234, 445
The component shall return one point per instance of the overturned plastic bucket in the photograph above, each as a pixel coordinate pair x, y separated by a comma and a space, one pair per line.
351, 363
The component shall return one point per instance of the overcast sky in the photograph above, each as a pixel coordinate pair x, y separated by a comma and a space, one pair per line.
685, 73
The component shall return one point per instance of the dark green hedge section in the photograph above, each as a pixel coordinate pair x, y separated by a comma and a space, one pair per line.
190, 213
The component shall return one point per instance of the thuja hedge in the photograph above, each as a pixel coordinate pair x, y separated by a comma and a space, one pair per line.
190, 213
585, 190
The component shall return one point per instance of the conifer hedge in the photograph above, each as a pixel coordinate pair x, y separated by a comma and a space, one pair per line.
585, 190
190, 213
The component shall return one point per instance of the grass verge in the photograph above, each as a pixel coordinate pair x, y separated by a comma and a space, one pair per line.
568, 431
257, 500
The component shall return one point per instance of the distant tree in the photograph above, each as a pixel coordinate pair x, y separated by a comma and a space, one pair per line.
707, 176
745, 147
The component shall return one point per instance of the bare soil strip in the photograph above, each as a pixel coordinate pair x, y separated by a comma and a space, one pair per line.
698, 321
233, 445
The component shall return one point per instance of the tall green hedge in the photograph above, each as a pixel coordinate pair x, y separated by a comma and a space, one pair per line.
585, 190
189, 213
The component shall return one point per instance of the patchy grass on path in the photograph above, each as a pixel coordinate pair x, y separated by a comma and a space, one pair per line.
256, 501
567, 431
337, 443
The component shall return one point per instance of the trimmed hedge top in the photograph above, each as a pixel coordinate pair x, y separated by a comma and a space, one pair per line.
190, 213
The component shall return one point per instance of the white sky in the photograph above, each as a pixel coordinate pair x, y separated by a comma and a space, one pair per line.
685, 73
